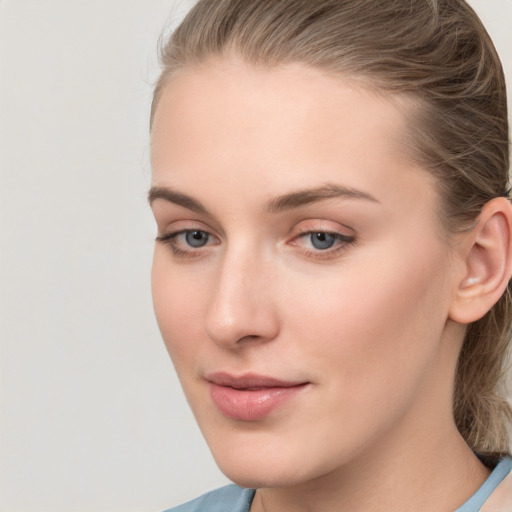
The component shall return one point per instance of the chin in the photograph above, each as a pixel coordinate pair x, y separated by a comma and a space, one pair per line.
267, 476
266, 468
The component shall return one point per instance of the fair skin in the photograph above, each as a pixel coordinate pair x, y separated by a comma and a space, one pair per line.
345, 294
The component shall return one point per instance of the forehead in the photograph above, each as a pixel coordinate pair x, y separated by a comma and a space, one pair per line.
250, 130
253, 101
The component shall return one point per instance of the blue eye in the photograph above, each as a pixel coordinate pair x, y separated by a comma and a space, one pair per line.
322, 241
196, 238
188, 243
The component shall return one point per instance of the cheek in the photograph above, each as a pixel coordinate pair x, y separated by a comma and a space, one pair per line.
178, 307
371, 320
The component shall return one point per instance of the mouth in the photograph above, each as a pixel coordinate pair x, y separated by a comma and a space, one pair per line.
251, 397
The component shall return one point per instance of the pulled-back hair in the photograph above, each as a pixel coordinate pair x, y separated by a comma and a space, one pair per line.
436, 52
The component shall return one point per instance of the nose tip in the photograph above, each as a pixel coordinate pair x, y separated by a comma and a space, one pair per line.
229, 334
241, 310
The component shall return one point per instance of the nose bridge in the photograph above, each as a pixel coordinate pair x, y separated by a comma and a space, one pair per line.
241, 306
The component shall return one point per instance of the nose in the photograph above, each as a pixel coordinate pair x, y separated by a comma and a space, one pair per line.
242, 308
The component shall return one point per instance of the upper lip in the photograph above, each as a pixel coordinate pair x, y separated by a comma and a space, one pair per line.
250, 381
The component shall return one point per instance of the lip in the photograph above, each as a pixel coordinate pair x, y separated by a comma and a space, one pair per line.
250, 397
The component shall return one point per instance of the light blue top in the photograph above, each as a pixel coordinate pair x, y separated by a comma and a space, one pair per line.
226, 499
495, 478
235, 499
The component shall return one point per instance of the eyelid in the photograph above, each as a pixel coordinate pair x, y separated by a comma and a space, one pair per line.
321, 226
168, 214
167, 226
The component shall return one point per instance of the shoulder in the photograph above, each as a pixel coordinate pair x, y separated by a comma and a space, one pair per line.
226, 499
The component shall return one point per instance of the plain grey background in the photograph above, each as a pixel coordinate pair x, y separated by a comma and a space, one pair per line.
91, 415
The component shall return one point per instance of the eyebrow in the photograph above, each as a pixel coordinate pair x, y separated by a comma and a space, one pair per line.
276, 205
313, 195
177, 198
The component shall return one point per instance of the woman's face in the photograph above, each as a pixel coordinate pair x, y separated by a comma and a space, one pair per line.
300, 281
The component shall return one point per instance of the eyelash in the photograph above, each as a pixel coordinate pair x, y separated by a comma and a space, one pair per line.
170, 240
341, 241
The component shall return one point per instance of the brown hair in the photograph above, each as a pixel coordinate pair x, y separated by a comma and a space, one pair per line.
435, 51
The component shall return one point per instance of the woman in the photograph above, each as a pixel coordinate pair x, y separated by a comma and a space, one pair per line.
330, 185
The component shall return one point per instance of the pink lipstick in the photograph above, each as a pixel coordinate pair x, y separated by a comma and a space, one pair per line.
250, 397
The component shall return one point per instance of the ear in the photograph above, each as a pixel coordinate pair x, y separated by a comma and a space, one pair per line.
487, 257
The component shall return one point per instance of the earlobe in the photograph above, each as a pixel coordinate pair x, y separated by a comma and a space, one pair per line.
488, 263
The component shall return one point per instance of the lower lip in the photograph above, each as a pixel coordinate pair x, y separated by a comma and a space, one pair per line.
251, 405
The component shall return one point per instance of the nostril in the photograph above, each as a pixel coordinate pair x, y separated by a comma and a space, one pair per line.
249, 337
